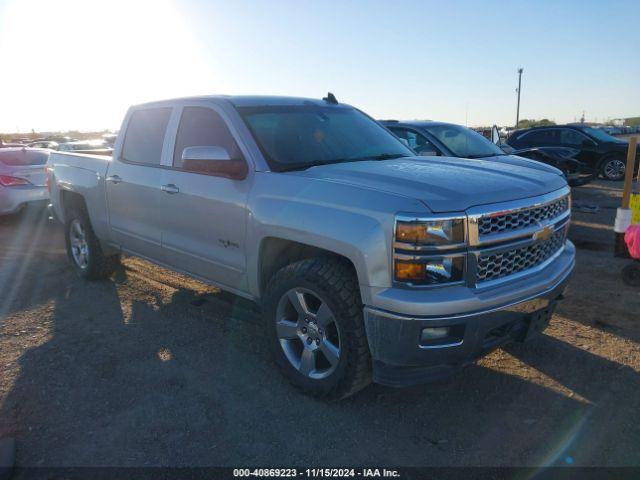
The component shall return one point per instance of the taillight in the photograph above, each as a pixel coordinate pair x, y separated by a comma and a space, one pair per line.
9, 181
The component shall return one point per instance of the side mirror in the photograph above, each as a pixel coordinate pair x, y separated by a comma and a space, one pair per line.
213, 160
495, 135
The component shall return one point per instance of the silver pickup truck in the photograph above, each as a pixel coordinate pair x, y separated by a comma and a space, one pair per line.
369, 263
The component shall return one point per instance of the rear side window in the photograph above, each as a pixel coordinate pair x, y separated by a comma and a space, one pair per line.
23, 157
537, 138
145, 135
203, 127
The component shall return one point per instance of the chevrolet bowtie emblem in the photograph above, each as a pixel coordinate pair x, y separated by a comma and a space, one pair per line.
544, 234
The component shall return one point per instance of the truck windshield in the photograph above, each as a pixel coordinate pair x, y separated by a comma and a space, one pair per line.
299, 136
464, 142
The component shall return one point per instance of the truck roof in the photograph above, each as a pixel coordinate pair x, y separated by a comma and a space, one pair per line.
413, 123
243, 100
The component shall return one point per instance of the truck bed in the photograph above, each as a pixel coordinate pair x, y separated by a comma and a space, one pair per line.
85, 175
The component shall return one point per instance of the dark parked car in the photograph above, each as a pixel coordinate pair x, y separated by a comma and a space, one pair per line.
602, 152
438, 138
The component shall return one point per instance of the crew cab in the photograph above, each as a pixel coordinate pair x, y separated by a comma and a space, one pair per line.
369, 263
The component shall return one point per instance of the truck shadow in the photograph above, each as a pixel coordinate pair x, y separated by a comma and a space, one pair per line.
32, 255
138, 379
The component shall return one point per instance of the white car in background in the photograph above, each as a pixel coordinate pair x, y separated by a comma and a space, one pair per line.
22, 178
98, 147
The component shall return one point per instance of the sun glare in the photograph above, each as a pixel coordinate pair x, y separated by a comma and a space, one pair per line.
75, 64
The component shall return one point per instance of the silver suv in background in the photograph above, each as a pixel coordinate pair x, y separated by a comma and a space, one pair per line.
22, 178
369, 263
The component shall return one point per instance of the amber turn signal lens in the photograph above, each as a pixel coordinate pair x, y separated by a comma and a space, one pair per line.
410, 232
409, 271
431, 232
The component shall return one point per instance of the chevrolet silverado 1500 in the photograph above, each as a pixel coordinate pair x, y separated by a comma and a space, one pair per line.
369, 263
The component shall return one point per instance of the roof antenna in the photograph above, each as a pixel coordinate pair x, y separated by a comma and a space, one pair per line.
330, 98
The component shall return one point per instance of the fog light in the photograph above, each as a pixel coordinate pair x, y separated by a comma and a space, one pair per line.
436, 333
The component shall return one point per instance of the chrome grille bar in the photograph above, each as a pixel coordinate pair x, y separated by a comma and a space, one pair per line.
522, 218
494, 266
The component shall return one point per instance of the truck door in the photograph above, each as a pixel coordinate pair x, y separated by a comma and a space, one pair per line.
204, 210
133, 183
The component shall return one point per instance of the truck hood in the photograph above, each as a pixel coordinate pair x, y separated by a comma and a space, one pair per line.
516, 159
446, 184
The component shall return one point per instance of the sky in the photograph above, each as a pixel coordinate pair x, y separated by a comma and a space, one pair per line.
78, 64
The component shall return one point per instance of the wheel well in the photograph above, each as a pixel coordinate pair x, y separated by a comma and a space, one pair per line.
276, 253
72, 200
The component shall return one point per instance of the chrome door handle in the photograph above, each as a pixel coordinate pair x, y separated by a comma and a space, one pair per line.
170, 188
114, 179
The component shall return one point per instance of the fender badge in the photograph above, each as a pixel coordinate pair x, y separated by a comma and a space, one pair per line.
544, 234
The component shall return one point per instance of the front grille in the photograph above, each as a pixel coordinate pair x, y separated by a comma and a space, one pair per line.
498, 265
520, 219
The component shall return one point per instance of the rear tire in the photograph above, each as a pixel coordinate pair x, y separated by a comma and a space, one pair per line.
314, 324
84, 250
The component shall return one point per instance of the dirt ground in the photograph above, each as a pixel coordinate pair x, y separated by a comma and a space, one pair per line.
151, 368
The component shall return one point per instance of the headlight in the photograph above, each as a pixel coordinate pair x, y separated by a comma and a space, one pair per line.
430, 271
445, 232
429, 251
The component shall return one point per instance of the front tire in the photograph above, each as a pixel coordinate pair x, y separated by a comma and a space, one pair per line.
613, 168
84, 250
314, 324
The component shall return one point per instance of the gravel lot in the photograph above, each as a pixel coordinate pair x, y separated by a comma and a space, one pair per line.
151, 368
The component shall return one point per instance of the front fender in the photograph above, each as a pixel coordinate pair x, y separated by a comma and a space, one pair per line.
349, 221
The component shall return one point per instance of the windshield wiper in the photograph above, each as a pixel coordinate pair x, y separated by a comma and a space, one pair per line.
486, 156
382, 156
317, 163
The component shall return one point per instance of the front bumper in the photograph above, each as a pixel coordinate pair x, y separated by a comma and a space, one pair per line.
13, 199
519, 310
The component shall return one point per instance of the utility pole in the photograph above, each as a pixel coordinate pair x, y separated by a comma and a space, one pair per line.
518, 90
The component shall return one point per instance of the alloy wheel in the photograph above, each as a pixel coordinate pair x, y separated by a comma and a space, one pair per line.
614, 169
308, 333
79, 244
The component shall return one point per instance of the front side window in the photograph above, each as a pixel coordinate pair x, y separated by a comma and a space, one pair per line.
413, 139
571, 138
299, 136
203, 127
539, 138
145, 135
